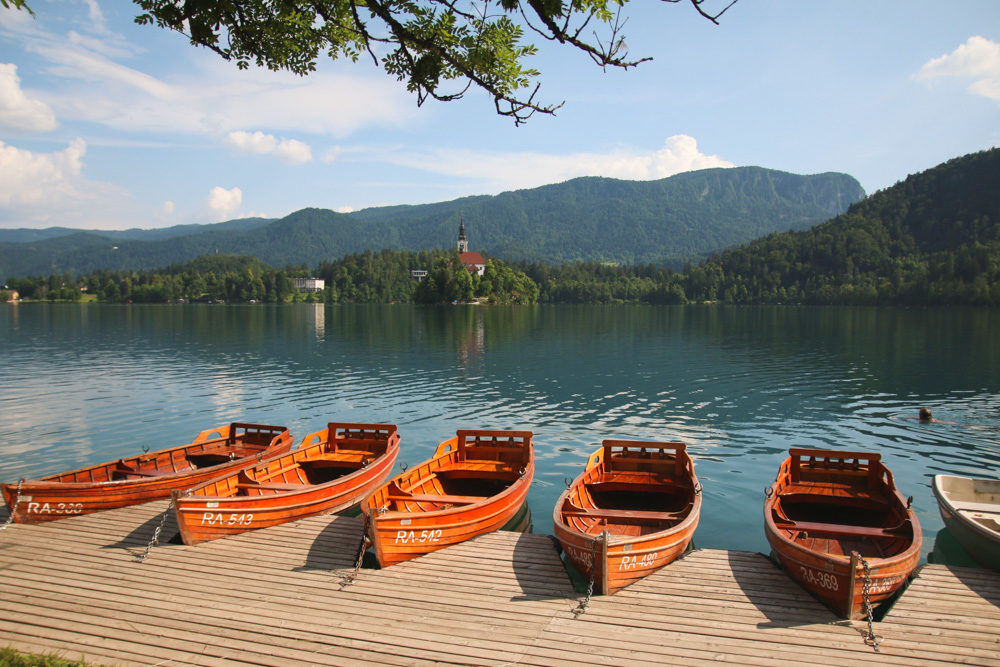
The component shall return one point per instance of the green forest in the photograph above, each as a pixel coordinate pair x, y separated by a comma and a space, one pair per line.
933, 238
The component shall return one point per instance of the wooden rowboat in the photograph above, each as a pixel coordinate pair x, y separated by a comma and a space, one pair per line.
836, 522
149, 476
331, 471
475, 483
970, 508
633, 510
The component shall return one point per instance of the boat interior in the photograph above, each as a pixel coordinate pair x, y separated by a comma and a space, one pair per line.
481, 464
322, 458
636, 491
839, 504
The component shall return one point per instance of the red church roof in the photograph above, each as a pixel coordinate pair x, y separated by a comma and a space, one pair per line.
469, 258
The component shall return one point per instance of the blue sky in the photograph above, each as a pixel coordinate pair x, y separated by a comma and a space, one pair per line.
106, 124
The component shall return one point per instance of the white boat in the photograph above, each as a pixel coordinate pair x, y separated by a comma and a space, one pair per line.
970, 508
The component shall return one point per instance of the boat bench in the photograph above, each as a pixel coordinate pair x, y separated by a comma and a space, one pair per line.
838, 529
990, 508
622, 514
123, 469
271, 487
435, 498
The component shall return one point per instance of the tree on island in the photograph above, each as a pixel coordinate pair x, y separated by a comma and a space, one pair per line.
441, 48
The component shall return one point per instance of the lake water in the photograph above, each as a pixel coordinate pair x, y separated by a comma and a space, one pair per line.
80, 384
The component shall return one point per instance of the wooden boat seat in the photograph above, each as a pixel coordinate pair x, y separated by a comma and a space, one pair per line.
271, 487
840, 529
991, 508
598, 513
434, 498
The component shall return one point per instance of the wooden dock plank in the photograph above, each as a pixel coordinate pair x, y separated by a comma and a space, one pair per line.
274, 597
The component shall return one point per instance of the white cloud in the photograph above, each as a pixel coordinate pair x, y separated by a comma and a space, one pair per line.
168, 209
28, 178
45, 189
224, 203
978, 59
332, 154
509, 171
289, 150
293, 152
17, 110
252, 142
344, 209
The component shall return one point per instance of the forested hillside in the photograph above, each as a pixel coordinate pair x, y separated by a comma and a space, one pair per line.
933, 238
670, 221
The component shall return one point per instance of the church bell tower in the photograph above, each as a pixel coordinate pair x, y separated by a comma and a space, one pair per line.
463, 243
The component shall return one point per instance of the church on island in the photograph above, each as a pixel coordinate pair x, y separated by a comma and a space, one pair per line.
473, 261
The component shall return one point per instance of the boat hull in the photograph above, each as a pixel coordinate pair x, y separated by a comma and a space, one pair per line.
211, 510
140, 479
975, 523
402, 530
605, 548
828, 558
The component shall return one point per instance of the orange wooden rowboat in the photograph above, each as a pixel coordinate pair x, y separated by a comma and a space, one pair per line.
475, 483
149, 476
830, 513
331, 471
633, 510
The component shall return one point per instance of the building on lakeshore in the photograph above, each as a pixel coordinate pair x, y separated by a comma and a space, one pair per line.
309, 284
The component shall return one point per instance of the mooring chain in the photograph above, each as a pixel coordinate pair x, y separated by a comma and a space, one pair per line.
155, 539
871, 638
348, 579
585, 602
13, 510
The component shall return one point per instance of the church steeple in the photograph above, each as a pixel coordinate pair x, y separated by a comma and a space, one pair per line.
463, 243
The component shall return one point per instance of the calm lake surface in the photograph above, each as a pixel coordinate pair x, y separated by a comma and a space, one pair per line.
81, 384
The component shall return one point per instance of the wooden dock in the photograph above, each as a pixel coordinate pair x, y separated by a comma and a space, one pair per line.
275, 597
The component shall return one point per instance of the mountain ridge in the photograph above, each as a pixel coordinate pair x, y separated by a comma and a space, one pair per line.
668, 221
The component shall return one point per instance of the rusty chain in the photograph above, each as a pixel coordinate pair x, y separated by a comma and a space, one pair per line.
13, 510
348, 579
871, 639
155, 539
585, 602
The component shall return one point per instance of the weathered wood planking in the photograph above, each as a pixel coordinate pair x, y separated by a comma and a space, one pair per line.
274, 597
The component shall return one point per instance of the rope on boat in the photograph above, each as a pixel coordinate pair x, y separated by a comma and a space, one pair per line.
585, 602
348, 579
871, 639
155, 539
13, 510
